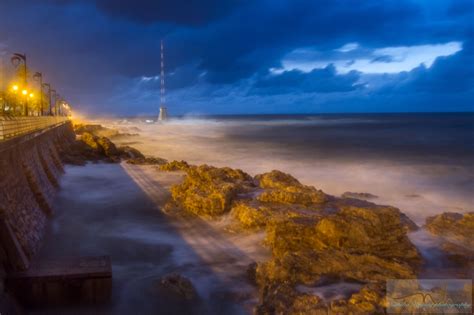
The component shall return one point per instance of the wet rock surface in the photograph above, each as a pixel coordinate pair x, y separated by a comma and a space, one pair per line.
454, 226
312, 237
358, 195
284, 188
456, 231
92, 145
147, 161
175, 166
100, 131
209, 191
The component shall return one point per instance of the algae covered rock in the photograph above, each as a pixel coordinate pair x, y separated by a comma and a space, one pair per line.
283, 298
251, 216
454, 226
209, 191
147, 161
359, 244
284, 188
130, 153
101, 145
175, 166
109, 148
91, 141
457, 232
277, 179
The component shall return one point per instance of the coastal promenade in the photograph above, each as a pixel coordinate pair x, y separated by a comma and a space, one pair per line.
12, 126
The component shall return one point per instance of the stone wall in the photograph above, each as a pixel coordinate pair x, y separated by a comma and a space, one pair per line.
30, 168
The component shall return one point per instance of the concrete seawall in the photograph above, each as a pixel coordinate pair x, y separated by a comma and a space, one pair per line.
30, 168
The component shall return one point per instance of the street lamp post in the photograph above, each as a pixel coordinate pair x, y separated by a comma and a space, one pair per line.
53, 92
59, 102
38, 76
16, 60
49, 96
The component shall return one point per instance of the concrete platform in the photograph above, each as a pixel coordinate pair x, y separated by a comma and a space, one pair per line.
65, 281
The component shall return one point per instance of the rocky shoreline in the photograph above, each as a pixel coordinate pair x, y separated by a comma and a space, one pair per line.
315, 238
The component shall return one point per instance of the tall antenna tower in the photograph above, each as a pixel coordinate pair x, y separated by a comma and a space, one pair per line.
163, 110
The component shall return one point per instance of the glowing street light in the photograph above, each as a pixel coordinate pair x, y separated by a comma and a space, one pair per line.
15, 87
24, 92
32, 95
17, 59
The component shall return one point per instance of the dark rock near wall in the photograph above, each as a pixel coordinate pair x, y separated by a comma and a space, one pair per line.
178, 286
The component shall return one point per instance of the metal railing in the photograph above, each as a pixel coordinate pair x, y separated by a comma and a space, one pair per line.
11, 127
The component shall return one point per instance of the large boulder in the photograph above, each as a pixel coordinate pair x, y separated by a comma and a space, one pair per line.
209, 191
108, 147
284, 188
91, 141
130, 153
361, 244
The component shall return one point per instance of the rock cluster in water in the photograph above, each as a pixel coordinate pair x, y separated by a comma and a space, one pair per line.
313, 237
93, 145
99, 130
457, 233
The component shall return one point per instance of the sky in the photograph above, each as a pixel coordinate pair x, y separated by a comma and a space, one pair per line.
248, 56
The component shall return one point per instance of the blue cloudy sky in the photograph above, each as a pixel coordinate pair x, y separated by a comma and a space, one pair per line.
249, 56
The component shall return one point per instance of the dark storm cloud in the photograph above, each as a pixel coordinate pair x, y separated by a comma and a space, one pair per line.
453, 74
256, 37
186, 12
102, 52
318, 80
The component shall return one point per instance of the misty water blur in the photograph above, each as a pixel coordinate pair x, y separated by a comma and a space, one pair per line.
421, 163
100, 210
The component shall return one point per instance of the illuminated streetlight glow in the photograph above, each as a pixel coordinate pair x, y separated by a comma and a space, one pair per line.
15, 87
31, 95
24, 92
